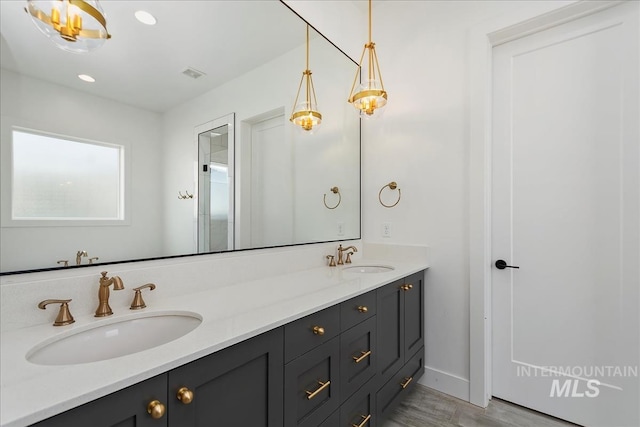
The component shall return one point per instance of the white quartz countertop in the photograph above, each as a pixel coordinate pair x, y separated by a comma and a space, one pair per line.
230, 314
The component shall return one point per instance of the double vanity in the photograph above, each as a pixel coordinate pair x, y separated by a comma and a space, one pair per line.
323, 346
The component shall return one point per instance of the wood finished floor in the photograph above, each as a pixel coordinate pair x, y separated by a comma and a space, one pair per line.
425, 407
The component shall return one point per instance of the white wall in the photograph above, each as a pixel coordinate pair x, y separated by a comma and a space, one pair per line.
47, 107
422, 142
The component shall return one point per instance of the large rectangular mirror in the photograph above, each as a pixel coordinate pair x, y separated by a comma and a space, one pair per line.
195, 111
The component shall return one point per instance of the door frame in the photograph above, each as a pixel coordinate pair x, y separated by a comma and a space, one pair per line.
538, 16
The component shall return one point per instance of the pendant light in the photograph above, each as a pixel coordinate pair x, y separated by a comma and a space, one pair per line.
305, 114
371, 95
77, 26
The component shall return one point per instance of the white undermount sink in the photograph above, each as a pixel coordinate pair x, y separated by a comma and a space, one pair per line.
367, 269
114, 339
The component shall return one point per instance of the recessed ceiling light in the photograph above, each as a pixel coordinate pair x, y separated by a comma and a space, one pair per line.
86, 78
145, 17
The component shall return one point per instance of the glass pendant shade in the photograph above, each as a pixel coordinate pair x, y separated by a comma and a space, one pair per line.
305, 115
77, 26
370, 95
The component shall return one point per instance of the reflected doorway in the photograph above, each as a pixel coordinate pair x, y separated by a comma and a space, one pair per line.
215, 187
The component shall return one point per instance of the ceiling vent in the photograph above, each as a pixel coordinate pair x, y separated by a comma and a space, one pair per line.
193, 73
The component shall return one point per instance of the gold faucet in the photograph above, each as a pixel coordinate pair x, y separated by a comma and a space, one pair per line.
79, 256
103, 293
341, 250
64, 315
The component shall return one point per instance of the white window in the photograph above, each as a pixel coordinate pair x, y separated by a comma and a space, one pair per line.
61, 179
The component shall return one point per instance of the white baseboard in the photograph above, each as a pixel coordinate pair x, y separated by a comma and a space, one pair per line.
446, 383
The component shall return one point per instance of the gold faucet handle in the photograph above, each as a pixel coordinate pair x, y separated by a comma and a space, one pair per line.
63, 261
348, 260
64, 315
332, 260
95, 258
138, 302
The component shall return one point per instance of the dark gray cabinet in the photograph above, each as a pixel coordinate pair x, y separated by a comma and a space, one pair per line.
125, 408
347, 365
239, 386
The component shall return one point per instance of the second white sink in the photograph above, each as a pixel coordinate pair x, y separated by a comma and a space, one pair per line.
367, 269
115, 339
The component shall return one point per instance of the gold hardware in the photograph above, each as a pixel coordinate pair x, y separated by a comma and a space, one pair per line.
63, 261
363, 355
348, 260
185, 395
332, 261
138, 302
103, 293
392, 185
312, 394
365, 420
318, 330
79, 256
156, 409
184, 196
372, 94
95, 258
406, 383
406, 287
334, 190
305, 114
64, 315
362, 308
341, 250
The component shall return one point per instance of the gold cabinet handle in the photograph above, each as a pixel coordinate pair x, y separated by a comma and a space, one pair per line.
312, 394
318, 330
365, 420
362, 308
363, 355
406, 382
185, 395
156, 409
406, 287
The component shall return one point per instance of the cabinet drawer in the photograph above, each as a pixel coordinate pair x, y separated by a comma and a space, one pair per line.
404, 380
312, 386
358, 355
310, 331
357, 310
360, 409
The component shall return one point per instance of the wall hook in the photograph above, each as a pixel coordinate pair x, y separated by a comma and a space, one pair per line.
334, 190
393, 186
184, 196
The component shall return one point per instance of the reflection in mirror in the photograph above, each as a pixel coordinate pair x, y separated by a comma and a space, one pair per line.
142, 101
215, 186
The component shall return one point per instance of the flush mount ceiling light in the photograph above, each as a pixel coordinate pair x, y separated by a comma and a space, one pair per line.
145, 17
305, 114
77, 26
87, 78
371, 94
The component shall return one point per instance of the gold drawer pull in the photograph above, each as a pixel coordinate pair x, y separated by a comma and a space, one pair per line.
185, 395
318, 330
156, 409
312, 394
363, 308
364, 421
406, 287
406, 383
363, 355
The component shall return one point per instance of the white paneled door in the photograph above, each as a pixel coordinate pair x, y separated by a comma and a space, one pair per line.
564, 203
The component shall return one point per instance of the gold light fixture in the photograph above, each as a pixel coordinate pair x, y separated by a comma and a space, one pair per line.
371, 94
77, 26
306, 114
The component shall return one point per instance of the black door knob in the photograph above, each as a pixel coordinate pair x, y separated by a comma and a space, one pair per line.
501, 265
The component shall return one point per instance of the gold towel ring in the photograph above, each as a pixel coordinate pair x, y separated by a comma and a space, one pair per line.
393, 186
334, 190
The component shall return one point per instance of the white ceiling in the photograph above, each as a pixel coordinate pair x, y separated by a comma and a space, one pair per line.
142, 65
